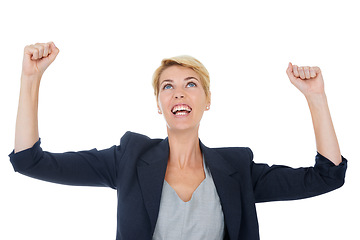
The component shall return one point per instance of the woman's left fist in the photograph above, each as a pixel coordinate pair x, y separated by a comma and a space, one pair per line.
308, 80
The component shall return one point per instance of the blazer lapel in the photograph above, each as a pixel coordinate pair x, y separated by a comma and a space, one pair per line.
227, 188
151, 173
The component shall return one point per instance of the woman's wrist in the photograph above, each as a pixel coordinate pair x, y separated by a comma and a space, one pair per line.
30, 84
316, 99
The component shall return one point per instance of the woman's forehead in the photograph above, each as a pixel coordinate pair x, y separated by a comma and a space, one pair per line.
176, 72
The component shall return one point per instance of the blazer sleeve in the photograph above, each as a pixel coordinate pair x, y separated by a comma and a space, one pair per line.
82, 168
278, 183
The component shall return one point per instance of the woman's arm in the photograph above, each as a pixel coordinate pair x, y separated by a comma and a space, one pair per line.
36, 59
326, 141
310, 82
83, 168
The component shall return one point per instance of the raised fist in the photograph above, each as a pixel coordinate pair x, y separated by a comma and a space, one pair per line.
308, 80
37, 58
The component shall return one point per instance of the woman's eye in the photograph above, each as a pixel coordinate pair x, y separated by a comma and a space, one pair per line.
167, 86
191, 84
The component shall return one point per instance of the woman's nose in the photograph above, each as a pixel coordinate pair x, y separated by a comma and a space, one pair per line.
179, 94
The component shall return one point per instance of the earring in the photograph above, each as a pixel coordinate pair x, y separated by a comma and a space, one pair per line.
207, 108
159, 111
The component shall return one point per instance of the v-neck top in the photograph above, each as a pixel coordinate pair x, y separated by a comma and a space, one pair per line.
199, 218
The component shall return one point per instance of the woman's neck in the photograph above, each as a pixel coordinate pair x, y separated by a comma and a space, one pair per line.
184, 149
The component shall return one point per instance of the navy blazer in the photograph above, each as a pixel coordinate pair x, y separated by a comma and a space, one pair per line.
136, 169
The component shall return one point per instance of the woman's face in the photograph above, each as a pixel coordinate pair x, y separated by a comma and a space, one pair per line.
182, 99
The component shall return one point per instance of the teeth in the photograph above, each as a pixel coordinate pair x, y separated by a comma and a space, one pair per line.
180, 113
181, 108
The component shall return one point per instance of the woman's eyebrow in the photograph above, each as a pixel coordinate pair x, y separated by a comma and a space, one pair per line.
188, 78
170, 80
167, 80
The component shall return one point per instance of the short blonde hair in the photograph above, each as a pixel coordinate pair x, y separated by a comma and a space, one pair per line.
184, 61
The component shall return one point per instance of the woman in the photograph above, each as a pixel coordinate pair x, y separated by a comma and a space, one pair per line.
177, 188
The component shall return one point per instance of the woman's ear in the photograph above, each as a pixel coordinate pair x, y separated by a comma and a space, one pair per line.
158, 107
208, 101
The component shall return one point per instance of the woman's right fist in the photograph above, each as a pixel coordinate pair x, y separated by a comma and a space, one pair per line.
37, 58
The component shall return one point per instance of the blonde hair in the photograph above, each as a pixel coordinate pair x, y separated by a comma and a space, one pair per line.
184, 61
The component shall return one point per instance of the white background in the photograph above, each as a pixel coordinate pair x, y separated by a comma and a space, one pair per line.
100, 86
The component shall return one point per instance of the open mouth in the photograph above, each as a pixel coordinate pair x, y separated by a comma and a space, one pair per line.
181, 110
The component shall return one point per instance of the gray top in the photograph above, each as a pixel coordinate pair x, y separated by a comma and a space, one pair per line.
199, 218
